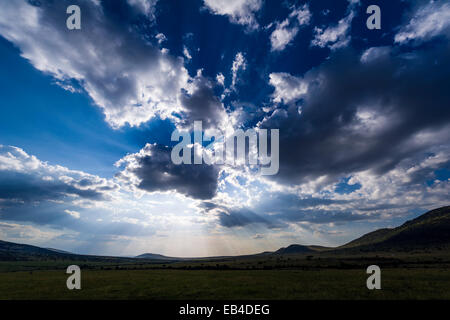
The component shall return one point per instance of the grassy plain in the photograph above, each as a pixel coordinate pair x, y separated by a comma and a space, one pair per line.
144, 281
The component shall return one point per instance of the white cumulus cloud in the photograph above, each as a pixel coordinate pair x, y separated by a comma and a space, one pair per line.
288, 88
336, 36
286, 31
239, 11
72, 213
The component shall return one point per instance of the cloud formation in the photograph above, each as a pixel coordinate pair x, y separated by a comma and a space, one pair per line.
239, 64
35, 191
427, 22
201, 104
287, 87
286, 31
387, 107
238, 11
26, 179
131, 80
336, 36
364, 129
152, 170
147, 7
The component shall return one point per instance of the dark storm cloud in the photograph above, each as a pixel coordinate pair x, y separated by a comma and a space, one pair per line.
364, 114
155, 171
202, 105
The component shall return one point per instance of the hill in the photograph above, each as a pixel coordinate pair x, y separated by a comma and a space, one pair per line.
10, 251
295, 249
428, 231
13, 251
60, 251
153, 256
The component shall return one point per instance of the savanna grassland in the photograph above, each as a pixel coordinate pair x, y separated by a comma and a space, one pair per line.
232, 284
419, 276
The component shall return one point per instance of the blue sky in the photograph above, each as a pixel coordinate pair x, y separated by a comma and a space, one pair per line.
86, 118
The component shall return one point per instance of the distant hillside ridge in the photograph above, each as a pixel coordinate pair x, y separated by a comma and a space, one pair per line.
153, 256
10, 251
298, 248
430, 230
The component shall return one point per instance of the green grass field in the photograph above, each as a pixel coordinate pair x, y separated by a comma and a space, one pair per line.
420, 283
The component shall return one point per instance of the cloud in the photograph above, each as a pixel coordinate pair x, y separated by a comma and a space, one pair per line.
72, 213
232, 218
131, 80
279, 210
286, 31
67, 202
412, 185
362, 114
147, 7
220, 78
161, 38
26, 179
282, 36
26, 233
239, 64
376, 118
375, 53
238, 11
287, 87
201, 104
186, 53
335, 36
152, 170
35, 191
427, 22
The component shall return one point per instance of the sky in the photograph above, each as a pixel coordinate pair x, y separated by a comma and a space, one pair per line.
86, 118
